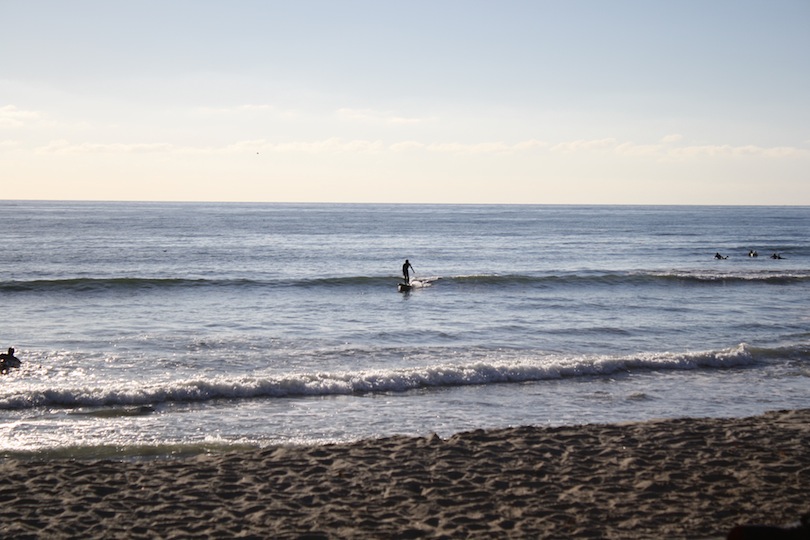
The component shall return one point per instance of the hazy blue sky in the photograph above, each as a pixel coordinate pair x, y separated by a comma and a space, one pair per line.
687, 102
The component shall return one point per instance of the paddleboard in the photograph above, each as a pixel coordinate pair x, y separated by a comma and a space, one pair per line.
402, 287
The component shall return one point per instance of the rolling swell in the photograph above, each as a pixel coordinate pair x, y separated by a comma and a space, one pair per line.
83, 285
584, 278
102, 284
481, 372
633, 278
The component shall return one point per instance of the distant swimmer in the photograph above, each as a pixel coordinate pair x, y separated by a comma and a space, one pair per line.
718, 256
776, 256
753, 253
405, 273
9, 361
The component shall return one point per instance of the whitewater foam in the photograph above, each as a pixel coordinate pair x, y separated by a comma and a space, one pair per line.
479, 372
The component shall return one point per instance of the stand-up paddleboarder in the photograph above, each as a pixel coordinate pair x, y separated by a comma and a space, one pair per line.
405, 273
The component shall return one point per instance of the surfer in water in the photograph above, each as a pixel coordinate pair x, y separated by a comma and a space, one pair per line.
405, 274
9, 361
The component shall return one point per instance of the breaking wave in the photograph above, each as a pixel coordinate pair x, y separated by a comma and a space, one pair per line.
483, 372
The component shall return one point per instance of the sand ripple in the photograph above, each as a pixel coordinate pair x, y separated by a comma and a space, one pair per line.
686, 478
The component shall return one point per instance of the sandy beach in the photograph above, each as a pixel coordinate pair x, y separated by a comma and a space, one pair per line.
684, 478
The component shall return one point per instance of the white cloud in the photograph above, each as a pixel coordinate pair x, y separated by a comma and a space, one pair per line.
64, 147
335, 145
639, 150
584, 145
407, 145
669, 150
476, 148
12, 117
726, 150
332, 145
5, 145
531, 144
469, 148
249, 108
377, 117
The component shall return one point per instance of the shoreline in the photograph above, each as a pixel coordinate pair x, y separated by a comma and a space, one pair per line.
677, 478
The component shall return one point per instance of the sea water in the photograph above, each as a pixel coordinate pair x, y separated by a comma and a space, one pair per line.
163, 328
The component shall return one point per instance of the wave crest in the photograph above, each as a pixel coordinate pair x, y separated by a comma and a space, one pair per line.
395, 380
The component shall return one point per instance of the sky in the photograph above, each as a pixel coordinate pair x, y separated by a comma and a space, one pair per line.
425, 101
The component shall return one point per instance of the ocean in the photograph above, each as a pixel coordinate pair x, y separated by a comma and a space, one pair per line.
150, 329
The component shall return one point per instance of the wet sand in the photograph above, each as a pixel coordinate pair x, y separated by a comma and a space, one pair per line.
685, 478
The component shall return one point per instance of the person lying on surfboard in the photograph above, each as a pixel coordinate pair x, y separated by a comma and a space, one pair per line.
405, 273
